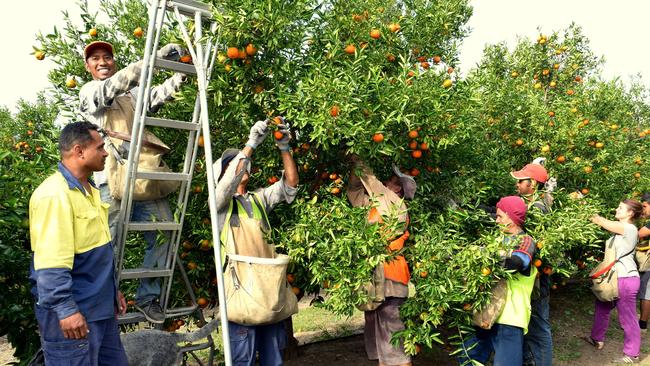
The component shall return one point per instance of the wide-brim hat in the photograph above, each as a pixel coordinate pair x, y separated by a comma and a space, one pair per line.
532, 171
408, 183
221, 164
90, 47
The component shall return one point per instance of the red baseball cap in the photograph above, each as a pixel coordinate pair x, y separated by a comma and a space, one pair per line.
532, 171
90, 47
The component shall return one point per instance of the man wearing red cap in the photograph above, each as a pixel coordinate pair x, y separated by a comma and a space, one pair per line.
506, 337
538, 349
108, 101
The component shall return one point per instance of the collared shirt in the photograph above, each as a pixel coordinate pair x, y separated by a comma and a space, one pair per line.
72, 266
97, 96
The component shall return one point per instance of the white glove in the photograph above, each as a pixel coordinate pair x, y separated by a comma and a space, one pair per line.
283, 143
550, 185
171, 52
539, 161
258, 132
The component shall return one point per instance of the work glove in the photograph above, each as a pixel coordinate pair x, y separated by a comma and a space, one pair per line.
171, 52
550, 185
257, 134
283, 143
539, 161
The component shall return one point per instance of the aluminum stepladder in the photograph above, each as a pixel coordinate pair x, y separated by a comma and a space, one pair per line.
203, 52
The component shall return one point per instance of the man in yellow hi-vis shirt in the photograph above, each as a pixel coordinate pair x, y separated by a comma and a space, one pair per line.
72, 269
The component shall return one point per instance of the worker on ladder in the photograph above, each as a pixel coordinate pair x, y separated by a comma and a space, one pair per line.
108, 101
242, 219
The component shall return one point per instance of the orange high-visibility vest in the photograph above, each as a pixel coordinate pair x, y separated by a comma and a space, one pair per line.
396, 269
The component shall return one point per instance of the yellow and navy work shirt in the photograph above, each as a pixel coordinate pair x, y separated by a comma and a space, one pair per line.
72, 266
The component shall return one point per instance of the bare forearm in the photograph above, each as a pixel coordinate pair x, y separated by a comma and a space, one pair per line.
611, 226
290, 170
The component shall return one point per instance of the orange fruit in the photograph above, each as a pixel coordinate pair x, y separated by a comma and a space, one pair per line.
71, 83
551, 114
251, 49
258, 89
205, 245
424, 274
486, 271
514, 74
198, 189
447, 83
334, 111
335, 191
416, 154
39, 55
378, 137
425, 65
424, 146
201, 141
92, 32
375, 34
570, 92
390, 57
637, 175
538, 263
232, 52
467, 307
413, 145
272, 179
548, 270
296, 290
187, 245
138, 32
394, 27
278, 135
413, 134
585, 190
333, 176
578, 78
350, 49
560, 159
414, 172
519, 142
202, 302
450, 70
191, 265
186, 59
436, 59
291, 278
545, 72
599, 145
588, 169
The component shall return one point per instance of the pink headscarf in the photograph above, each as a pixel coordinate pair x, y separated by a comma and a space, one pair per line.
515, 208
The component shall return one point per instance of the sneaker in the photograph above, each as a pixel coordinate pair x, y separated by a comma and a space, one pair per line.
152, 311
597, 344
626, 359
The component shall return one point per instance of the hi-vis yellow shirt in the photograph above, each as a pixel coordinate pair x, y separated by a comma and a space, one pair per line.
65, 220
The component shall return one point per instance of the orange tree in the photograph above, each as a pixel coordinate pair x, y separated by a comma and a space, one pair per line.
377, 79
28, 153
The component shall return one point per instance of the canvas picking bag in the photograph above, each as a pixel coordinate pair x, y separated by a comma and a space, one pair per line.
255, 278
486, 317
642, 257
604, 280
374, 290
118, 124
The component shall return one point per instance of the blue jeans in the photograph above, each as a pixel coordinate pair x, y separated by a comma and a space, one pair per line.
506, 341
246, 340
539, 340
155, 253
101, 347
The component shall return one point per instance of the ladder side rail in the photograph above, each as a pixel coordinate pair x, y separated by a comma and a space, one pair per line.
134, 151
212, 199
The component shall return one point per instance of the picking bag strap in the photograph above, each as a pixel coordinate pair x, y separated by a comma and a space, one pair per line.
609, 266
125, 137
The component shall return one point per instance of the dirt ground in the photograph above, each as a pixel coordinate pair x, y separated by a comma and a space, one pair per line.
571, 318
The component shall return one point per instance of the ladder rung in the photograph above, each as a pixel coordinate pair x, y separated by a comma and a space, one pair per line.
177, 312
154, 226
163, 176
189, 7
128, 274
175, 66
171, 123
129, 318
